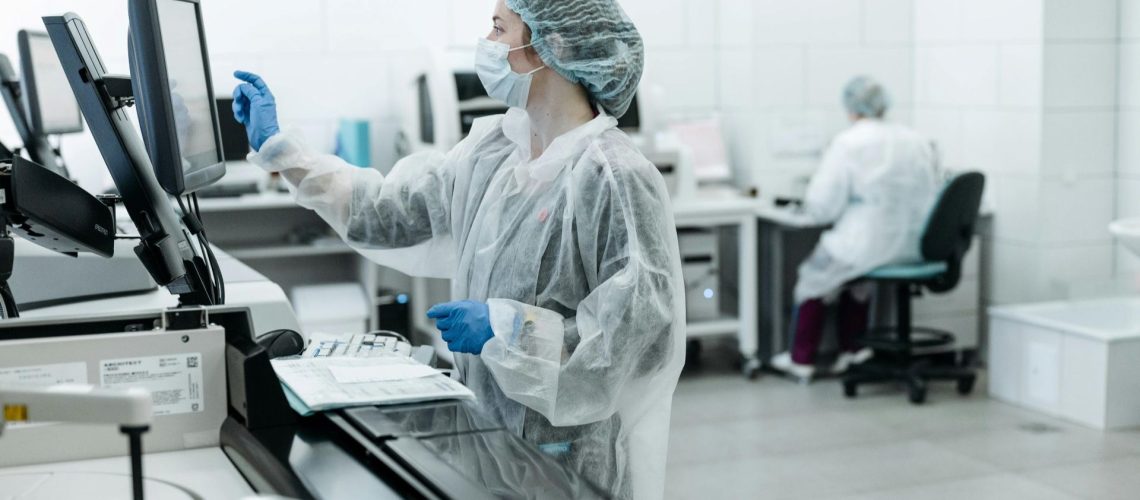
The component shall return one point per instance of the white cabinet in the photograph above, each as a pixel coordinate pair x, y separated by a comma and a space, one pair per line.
1076, 360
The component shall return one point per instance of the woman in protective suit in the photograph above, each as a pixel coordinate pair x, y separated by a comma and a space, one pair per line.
876, 185
556, 231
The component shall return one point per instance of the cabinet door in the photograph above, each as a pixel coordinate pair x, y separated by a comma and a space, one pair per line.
1041, 369
1004, 367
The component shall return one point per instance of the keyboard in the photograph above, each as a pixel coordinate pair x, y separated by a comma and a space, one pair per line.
360, 345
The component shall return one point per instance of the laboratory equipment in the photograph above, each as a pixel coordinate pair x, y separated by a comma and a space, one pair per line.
445, 106
241, 177
359, 345
50, 211
335, 308
171, 78
235, 144
129, 408
49, 105
172, 354
35, 146
165, 237
393, 311
279, 343
700, 265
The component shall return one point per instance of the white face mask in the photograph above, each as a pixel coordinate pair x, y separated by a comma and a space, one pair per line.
495, 72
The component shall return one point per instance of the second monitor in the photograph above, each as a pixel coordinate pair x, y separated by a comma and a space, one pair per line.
175, 96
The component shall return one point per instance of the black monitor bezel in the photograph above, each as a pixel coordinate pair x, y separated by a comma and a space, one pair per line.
156, 113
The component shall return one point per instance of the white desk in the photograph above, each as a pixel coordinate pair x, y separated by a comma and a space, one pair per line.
775, 226
183, 475
720, 208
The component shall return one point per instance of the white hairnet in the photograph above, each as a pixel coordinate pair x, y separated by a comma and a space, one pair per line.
589, 42
863, 96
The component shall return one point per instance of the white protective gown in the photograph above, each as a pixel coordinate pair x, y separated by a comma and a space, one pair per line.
877, 184
576, 255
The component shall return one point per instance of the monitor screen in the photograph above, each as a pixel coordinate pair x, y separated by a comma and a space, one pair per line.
50, 105
427, 117
631, 120
235, 144
189, 90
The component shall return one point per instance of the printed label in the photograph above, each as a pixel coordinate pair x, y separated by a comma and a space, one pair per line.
42, 376
45, 375
174, 381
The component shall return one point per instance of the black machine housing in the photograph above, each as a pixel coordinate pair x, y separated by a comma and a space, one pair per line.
53, 212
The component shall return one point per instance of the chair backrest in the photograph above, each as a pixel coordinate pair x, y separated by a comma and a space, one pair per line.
950, 228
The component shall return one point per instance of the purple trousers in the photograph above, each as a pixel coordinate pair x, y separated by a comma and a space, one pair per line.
853, 317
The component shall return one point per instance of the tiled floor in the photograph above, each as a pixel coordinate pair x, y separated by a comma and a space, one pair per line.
775, 439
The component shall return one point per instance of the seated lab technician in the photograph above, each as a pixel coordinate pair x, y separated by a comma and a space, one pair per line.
877, 183
555, 230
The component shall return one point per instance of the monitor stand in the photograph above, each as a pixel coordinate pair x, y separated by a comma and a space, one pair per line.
43, 278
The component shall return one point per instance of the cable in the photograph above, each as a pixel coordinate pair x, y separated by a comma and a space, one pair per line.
388, 333
218, 279
211, 289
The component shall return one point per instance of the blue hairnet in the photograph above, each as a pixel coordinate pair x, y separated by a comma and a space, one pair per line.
589, 42
864, 96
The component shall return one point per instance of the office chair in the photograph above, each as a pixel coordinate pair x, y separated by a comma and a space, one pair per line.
945, 240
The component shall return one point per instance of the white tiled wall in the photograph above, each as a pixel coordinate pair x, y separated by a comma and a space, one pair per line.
772, 62
1027, 91
1128, 147
1032, 92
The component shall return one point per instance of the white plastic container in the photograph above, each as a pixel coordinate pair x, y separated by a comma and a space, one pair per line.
1078, 360
335, 309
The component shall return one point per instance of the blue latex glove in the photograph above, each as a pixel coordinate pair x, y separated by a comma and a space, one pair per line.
255, 107
465, 324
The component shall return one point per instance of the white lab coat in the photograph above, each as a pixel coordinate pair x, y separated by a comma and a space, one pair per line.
576, 255
877, 184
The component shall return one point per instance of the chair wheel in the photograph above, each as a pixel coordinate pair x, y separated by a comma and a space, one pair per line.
966, 384
850, 389
916, 391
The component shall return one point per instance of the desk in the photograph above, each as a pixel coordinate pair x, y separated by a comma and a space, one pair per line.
778, 227
206, 473
725, 208
785, 232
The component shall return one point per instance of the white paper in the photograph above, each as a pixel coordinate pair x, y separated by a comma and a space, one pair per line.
382, 373
174, 380
312, 381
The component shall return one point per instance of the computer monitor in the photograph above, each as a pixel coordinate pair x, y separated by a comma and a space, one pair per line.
51, 107
426, 118
165, 245
235, 144
170, 71
631, 120
36, 147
